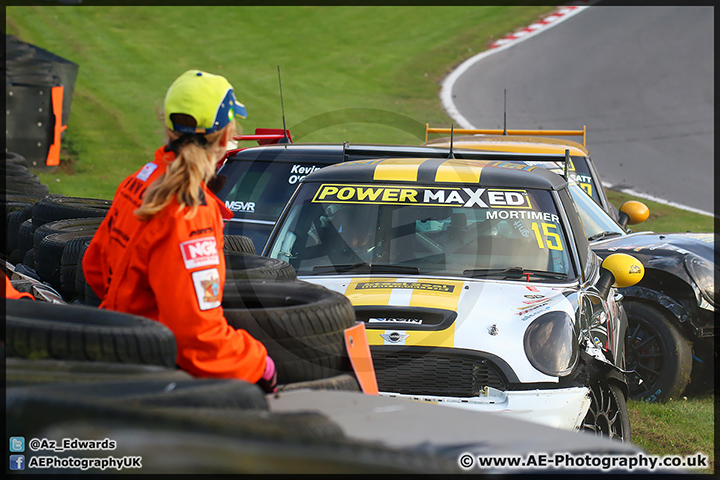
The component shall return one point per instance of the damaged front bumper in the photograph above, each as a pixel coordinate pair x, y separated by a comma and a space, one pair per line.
563, 408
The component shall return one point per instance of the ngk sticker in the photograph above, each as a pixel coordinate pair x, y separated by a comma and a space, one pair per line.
200, 252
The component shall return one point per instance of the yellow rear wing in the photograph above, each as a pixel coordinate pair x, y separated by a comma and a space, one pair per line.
474, 131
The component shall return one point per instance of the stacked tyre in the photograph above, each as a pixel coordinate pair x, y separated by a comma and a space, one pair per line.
301, 324
43, 235
19, 180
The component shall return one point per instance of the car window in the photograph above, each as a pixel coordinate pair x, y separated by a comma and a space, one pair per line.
430, 230
261, 189
576, 224
595, 220
579, 171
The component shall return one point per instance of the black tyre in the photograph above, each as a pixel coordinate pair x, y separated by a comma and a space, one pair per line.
345, 382
24, 372
86, 225
85, 294
61, 208
48, 258
12, 206
25, 186
80, 275
657, 351
702, 377
13, 220
12, 157
91, 298
29, 259
66, 332
25, 236
49, 254
193, 392
301, 325
16, 170
69, 266
608, 414
18, 208
239, 243
248, 266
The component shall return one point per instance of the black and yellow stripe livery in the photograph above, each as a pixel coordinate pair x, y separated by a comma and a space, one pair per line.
431, 171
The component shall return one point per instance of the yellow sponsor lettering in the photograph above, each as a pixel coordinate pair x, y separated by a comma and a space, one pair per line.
390, 195
327, 190
346, 193
368, 193
407, 195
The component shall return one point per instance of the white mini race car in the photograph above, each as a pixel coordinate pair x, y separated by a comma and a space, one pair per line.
476, 283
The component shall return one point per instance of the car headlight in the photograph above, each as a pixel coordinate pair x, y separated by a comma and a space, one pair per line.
703, 272
551, 344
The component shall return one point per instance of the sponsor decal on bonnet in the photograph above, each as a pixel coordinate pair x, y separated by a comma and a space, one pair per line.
435, 287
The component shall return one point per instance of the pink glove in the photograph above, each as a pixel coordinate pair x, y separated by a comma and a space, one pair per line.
268, 382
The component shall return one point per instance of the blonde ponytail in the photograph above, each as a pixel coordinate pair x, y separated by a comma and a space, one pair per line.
193, 166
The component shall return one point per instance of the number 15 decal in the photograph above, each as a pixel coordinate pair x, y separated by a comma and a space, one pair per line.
552, 239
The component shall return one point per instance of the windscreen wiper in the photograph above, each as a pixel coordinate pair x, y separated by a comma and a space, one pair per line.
511, 272
363, 267
605, 234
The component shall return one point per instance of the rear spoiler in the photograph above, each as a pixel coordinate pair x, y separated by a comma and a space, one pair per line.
475, 131
264, 136
397, 151
267, 136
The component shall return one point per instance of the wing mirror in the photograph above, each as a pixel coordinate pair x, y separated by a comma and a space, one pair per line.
619, 270
632, 212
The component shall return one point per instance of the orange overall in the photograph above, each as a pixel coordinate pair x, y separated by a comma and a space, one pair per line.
172, 270
12, 293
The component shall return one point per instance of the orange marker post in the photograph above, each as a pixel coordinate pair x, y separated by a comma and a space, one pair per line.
359, 352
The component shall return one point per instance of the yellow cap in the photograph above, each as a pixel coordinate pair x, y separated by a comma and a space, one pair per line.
208, 98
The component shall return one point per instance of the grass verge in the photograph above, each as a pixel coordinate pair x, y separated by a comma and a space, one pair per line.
681, 427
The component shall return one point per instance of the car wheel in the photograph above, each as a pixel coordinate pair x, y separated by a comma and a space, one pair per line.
658, 352
608, 414
702, 377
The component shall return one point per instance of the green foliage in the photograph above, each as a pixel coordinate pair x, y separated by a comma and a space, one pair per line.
664, 218
681, 427
355, 73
